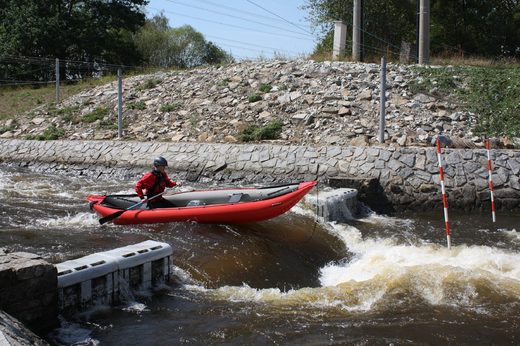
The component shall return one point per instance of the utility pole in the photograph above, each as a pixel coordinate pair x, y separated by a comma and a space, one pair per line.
357, 25
424, 32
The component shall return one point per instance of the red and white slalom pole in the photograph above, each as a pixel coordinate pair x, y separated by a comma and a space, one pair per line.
490, 169
444, 200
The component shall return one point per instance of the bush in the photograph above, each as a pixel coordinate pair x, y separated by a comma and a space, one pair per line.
137, 105
258, 133
51, 133
254, 98
149, 84
66, 114
11, 127
98, 114
265, 88
491, 93
169, 107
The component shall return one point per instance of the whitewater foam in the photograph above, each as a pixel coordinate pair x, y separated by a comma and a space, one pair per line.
80, 219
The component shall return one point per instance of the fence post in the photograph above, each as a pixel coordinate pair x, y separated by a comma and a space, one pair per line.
57, 80
382, 100
119, 104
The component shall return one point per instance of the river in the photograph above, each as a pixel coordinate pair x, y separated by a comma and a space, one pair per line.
289, 280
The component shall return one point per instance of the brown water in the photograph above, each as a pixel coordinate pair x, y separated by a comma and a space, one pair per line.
290, 280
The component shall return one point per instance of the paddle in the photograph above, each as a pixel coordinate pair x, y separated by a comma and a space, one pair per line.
115, 215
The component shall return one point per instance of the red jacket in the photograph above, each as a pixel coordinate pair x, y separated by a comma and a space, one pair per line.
149, 186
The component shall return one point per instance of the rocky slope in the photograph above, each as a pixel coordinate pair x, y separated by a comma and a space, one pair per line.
318, 103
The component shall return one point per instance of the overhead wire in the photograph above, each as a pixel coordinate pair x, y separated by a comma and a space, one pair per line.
252, 44
235, 26
233, 16
274, 14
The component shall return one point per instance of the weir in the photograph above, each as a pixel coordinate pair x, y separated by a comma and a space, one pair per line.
337, 205
99, 278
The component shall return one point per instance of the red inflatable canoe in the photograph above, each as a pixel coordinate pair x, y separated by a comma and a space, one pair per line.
205, 206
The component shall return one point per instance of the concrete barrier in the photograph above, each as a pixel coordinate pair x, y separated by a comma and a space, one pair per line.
104, 277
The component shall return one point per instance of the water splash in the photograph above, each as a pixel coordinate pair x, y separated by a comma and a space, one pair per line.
383, 273
73, 334
74, 220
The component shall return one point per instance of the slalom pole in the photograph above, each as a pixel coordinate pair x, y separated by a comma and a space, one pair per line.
490, 169
443, 190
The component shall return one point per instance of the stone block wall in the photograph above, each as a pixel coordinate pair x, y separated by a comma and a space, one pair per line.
28, 290
399, 178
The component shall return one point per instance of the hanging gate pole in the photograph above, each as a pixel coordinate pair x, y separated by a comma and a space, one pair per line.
444, 200
490, 169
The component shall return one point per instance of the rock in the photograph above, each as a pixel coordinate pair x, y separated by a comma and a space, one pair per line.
344, 111
230, 139
359, 141
38, 121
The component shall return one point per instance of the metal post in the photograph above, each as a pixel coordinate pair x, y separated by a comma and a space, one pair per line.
417, 23
424, 33
119, 104
57, 80
356, 31
382, 100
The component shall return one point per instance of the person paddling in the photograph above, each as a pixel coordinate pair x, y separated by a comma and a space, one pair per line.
154, 182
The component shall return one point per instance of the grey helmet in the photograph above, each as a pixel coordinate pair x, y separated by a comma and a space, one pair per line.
160, 161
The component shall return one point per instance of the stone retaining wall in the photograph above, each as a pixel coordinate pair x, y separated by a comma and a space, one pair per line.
28, 290
399, 178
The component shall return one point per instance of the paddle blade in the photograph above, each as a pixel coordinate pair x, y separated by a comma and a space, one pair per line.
111, 217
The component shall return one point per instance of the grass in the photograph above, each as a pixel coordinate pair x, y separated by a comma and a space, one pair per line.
492, 93
258, 133
18, 100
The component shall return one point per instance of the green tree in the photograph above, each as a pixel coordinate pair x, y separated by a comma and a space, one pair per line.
481, 27
183, 47
92, 31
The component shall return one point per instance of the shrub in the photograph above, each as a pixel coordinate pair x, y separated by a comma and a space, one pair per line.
66, 114
254, 98
98, 114
51, 133
257, 133
149, 84
491, 93
137, 105
265, 88
224, 82
169, 107
7, 128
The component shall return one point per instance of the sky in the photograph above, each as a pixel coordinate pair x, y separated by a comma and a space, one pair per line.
248, 29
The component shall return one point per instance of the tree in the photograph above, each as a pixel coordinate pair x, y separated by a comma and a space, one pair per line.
183, 47
475, 27
93, 31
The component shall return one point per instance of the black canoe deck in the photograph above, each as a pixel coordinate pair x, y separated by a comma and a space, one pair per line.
208, 197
